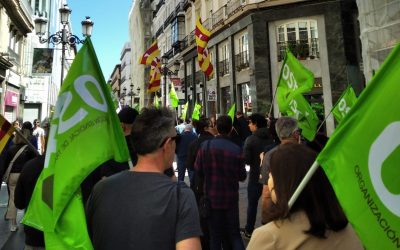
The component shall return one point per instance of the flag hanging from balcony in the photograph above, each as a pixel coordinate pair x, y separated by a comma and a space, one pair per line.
204, 58
155, 76
151, 53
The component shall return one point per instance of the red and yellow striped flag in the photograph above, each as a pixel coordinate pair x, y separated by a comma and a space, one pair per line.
150, 54
202, 37
155, 76
6, 132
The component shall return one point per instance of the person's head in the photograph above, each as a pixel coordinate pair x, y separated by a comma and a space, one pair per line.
127, 116
36, 123
24, 132
257, 121
154, 130
201, 125
288, 166
15, 124
224, 125
239, 114
189, 127
27, 125
287, 128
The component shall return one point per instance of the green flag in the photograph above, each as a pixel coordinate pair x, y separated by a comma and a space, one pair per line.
137, 107
196, 112
231, 112
362, 159
184, 111
173, 96
114, 98
305, 115
156, 101
344, 104
84, 110
294, 79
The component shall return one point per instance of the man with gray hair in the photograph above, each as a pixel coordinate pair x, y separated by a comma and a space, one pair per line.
142, 208
289, 133
187, 136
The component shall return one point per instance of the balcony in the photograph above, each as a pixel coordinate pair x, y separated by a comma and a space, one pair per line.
218, 17
242, 60
233, 7
188, 40
207, 23
302, 49
223, 67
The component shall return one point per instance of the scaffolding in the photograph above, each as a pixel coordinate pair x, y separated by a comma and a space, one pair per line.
380, 31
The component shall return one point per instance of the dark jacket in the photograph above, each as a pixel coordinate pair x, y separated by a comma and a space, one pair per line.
25, 156
23, 193
194, 147
187, 137
253, 146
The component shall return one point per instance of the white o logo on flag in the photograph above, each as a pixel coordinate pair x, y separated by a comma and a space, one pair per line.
380, 149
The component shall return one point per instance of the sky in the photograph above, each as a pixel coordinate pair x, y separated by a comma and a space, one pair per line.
110, 29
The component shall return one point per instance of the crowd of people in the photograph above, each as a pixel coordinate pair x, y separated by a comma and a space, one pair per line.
144, 205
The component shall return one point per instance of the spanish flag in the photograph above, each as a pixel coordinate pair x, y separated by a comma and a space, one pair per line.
150, 54
155, 76
6, 132
202, 37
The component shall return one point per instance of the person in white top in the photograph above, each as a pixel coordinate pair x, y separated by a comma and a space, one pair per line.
38, 132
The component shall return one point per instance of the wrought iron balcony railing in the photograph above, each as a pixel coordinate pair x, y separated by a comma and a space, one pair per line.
223, 67
302, 49
242, 60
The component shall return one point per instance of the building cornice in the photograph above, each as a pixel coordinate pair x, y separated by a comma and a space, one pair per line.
19, 17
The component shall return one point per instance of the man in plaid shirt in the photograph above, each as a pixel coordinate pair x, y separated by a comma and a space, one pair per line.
220, 163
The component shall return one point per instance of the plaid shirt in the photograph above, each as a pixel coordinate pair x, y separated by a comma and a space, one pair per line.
222, 167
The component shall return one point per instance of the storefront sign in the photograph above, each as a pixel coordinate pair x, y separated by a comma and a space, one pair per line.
11, 99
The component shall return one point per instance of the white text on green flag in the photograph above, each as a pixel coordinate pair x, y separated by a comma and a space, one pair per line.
84, 110
362, 159
344, 104
294, 79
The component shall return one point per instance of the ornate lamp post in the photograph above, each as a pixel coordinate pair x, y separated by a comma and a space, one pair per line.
166, 71
123, 96
64, 36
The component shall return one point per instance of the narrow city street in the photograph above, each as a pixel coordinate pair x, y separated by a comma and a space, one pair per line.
15, 240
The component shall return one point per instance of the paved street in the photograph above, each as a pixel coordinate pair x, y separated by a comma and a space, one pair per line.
15, 241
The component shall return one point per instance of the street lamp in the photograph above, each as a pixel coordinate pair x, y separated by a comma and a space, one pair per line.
131, 93
63, 36
166, 71
123, 96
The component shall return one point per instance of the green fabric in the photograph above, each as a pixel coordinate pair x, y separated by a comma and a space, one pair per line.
85, 132
196, 112
173, 96
113, 97
137, 107
156, 101
305, 115
184, 111
231, 112
294, 79
362, 159
344, 104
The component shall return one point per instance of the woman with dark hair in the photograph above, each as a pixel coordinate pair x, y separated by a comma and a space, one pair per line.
15, 158
315, 221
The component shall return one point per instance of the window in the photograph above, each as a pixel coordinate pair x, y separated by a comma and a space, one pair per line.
225, 99
177, 29
301, 37
212, 62
242, 59
224, 63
